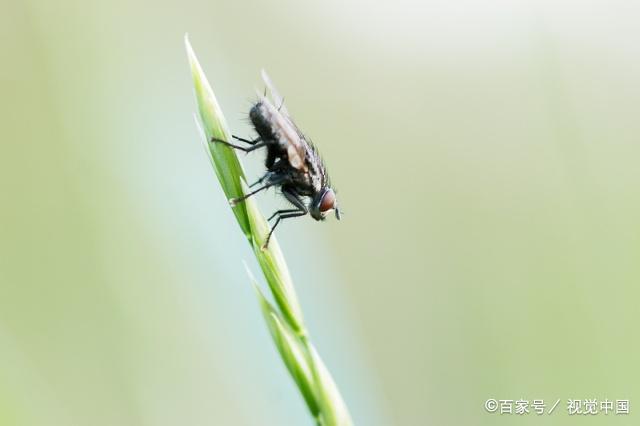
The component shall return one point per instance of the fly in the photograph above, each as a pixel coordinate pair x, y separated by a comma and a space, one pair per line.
293, 163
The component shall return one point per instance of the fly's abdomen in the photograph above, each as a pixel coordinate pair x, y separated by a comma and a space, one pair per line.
260, 119
279, 133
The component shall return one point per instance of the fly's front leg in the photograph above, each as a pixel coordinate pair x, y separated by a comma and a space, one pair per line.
282, 216
300, 210
279, 212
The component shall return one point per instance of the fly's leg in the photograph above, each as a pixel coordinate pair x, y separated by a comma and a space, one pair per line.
250, 142
282, 216
238, 138
272, 180
262, 179
241, 148
272, 175
279, 212
259, 181
235, 201
300, 210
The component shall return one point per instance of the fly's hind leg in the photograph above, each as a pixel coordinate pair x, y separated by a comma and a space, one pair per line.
241, 148
249, 141
238, 138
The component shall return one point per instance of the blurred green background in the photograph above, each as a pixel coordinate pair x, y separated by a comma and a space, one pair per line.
486, 156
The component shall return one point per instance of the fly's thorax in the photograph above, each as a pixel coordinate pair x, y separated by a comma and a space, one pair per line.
315, 180
315, 170
302, 182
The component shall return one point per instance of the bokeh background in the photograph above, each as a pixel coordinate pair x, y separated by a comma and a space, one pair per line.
486, 156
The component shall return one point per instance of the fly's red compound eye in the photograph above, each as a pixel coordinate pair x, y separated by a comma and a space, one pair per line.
328, 201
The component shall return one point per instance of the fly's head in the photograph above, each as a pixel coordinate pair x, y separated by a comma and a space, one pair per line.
323, 203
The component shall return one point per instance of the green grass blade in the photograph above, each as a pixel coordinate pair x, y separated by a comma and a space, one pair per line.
225, 161
231, 177
290, 350
333, 410
275, 270
285, 323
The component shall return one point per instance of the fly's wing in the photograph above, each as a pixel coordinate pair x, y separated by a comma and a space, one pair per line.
287, 135
278, 100
296, 143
